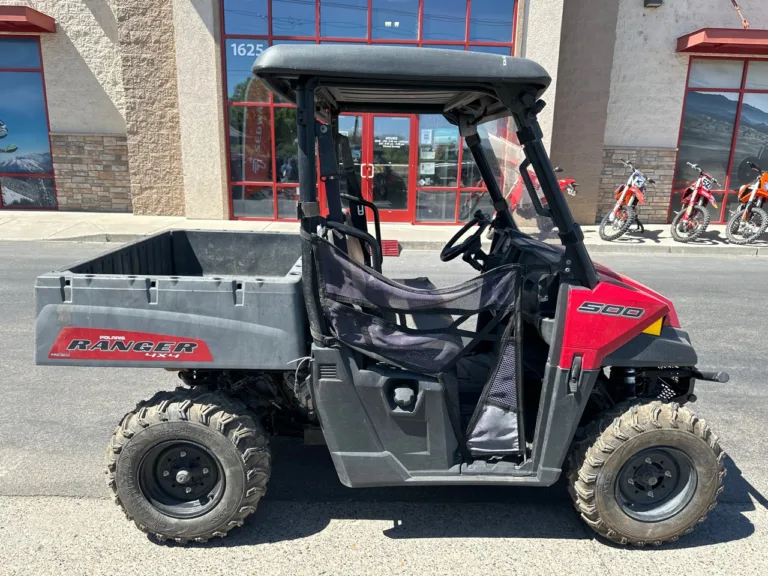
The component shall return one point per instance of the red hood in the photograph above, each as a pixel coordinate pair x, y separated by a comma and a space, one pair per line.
608, 275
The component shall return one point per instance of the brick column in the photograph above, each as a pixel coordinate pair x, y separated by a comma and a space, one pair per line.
148, 57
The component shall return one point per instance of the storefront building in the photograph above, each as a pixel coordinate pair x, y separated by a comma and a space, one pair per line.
150, 107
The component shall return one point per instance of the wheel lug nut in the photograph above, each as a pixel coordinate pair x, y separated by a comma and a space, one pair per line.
188, 490
183, 454
647, 460
205, 470
650, 494
631, 481
668, 474
166, 473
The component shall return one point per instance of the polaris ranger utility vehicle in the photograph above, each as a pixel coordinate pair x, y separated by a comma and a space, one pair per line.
543, 363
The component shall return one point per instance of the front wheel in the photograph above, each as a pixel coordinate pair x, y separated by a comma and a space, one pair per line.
689, 230
188, 465
623, 220
646, 474
741, 231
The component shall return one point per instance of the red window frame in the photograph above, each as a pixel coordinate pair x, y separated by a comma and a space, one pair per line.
318, 39
48, 123
726, 191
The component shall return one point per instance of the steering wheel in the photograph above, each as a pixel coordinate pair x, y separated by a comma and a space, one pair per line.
450, 252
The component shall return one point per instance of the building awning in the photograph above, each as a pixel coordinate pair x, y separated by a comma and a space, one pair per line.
23, 19
725, 41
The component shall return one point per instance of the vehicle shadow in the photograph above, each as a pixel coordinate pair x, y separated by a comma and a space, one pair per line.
305, 496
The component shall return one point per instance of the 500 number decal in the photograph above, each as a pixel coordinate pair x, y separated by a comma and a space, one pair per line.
611, 310
247, 49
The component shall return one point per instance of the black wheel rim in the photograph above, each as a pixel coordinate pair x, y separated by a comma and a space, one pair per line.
656, 484
181, 479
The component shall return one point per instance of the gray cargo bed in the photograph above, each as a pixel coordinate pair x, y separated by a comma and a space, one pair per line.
178, 299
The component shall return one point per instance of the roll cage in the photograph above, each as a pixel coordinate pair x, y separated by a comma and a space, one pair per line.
467, 88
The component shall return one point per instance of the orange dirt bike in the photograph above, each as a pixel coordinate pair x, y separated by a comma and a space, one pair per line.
749, 221
624, 213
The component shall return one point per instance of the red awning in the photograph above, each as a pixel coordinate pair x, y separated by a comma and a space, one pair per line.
725, 41
23, 19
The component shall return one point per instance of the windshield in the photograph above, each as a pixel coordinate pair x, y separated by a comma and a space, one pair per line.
505, 155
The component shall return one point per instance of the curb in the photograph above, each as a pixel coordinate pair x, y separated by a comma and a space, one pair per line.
436, 246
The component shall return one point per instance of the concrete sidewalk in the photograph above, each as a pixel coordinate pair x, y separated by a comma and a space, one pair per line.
106, 227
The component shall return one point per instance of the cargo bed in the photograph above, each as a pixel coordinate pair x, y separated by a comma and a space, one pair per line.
178, 299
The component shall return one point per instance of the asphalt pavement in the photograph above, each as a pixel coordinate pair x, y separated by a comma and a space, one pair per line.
55, 516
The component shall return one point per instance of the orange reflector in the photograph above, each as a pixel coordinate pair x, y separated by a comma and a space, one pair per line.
655, 328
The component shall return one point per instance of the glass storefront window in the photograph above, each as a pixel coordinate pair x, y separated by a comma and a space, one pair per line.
252, 202
19, 53
471, 202
438, 152
394, 19
436, 205
751, 140
491, 20
706, 135
250, 143
503, 50
391, 162
444, 20
344, 18
246, 17
293, 17
716, 74
242, 86
286, 145
757, 75
287, 200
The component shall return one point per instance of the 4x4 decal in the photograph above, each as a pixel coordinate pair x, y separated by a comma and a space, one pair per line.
611, 310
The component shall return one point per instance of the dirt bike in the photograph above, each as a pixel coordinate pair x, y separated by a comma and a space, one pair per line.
628, 196
693, 218
516, 198
749, 221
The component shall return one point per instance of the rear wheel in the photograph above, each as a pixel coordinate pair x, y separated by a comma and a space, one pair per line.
646, 474
689, 230
741, 231
611, 230
188, 465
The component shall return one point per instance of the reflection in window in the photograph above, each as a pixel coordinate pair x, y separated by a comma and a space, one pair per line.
395, 19
242, 86
19, 53
287, 199
706, 135
438, 151
250, 144
293, 17
391, 150
503, 50
246, 17
751, 140
286, 145
344, 18
444, 20
436, 205
716, 73
471, 202
252, 201
757, 75
491, 20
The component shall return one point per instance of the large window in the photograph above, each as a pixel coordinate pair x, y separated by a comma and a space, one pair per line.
724, 127
262, 142
26, 168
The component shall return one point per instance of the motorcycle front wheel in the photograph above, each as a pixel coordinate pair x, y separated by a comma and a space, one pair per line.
741, 231
689, 230
625, 216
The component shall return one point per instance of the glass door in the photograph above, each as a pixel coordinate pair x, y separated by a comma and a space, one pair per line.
387, 176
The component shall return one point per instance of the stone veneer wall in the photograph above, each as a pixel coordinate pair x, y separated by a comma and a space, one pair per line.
91, 172
655, 163
145, 33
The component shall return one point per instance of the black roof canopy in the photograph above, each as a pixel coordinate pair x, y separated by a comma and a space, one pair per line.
401, 79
